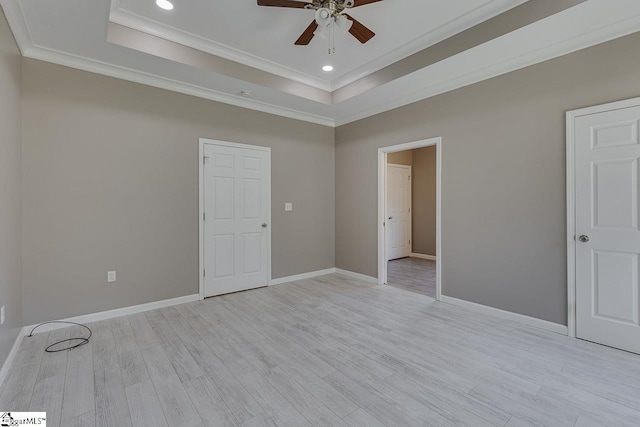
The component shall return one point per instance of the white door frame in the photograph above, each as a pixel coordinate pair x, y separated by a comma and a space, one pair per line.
201, 161
382, 215
571, 200
410, 223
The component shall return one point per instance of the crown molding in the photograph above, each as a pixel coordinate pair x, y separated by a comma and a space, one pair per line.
159, 29
592, 38
427, 40
21, 32
18, 23
81, 63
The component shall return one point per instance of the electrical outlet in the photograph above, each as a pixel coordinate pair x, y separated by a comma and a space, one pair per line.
111, 276
288, 207
2, 315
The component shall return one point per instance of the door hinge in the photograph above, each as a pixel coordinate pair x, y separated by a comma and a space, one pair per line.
409, 209
204, 159
409, 241
204, 215
409, 177
384, 224
204, 273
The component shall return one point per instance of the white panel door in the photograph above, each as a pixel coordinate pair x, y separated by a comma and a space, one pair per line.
607, 153
398, 211
236, 207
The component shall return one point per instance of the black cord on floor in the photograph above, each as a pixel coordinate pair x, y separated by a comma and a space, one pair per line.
81, 340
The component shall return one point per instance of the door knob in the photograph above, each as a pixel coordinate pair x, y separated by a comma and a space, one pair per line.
264, 225
390, 218
584, 238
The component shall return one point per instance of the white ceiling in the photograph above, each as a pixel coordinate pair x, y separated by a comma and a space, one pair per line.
73, 33
264, 37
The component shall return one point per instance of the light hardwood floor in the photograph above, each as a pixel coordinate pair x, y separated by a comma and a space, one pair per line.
328, 351
413, 274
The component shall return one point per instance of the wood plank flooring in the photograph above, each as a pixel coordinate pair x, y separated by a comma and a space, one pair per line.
330, 351
413, 274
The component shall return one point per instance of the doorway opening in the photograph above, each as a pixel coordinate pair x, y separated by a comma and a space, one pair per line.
409, 220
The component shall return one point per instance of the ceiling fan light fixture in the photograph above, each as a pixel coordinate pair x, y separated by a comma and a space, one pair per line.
323, 17
164, 4
327, 68
321, 31
343, 23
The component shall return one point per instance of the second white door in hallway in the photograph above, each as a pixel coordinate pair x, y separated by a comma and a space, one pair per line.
398, 224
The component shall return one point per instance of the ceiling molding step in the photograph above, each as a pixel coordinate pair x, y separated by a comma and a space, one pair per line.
512, 20
18, 24
123, 73
598, 36
166, 49
427, 40
141, 23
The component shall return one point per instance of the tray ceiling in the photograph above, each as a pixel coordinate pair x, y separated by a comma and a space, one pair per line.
263, 36
220, 49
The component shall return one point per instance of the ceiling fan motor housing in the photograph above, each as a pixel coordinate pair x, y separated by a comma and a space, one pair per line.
334, 6
327, 11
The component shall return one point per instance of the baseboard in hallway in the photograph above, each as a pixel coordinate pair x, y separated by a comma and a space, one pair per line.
359, 276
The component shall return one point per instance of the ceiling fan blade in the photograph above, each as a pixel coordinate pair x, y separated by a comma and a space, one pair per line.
357, 3
306, 37
359, 31
283, 3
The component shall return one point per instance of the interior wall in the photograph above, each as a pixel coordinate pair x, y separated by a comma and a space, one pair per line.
111, 183
503, 176
423, 200
401, 158
10, 189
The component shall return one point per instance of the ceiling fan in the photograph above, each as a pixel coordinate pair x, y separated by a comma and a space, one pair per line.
327, 11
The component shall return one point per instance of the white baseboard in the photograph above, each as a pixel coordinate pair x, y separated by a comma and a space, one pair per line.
431, 257
302, 276
109, 314
527, 320
357, 275
8, 362
87, 318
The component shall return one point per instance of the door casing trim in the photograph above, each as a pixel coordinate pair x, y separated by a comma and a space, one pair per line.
571, 117
202, 143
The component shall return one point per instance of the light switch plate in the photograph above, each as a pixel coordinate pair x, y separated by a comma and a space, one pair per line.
288, 207
111, 276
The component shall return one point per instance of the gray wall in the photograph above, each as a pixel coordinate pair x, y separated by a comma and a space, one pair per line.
423, 200
503, 185
111, 183
10, 189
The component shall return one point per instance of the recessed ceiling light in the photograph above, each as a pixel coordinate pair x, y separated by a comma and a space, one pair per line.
164, 4
327, 68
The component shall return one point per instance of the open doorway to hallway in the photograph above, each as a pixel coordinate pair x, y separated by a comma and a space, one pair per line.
411, 220
409, 210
